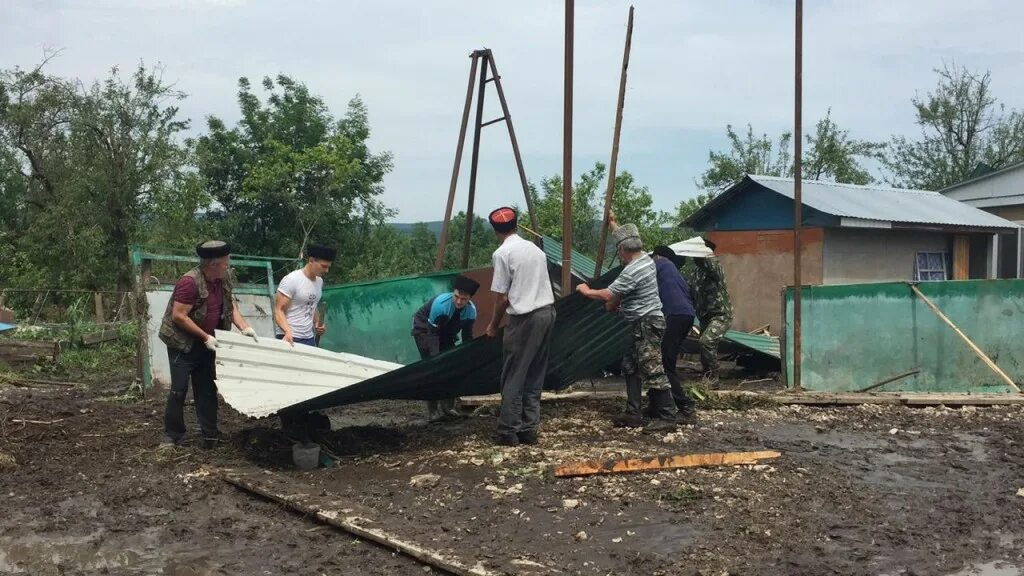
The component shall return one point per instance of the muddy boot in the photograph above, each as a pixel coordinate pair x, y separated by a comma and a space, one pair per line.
687, 414
631, 417
665, 412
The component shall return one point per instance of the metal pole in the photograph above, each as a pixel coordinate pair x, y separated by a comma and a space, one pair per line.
475, 159
613, 165
567, 155
443, 241
797, 196
515, 143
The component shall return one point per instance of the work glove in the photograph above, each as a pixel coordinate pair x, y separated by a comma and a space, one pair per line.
250, 333
211, 343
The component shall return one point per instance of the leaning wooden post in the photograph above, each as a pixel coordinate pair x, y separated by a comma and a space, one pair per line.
613, 165
984, 357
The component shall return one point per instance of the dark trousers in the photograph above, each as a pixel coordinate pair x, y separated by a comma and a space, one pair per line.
304, 341
676, 329
524, 348
197, 366
430, 345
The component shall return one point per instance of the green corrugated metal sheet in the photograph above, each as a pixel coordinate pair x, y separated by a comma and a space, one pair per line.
585, 339
767, 345
582, 265
858, 334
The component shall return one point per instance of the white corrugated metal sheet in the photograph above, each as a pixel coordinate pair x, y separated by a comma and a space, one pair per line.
885, 204
254, 308
260, 378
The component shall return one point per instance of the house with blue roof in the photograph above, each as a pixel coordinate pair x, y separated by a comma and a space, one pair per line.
850, 234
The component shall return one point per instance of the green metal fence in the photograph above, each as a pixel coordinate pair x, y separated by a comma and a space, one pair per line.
857, 335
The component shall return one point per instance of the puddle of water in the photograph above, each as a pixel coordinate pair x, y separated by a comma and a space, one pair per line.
661, 538
990, 569
53, 555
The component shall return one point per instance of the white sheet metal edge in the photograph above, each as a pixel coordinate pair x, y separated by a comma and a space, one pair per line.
260, 378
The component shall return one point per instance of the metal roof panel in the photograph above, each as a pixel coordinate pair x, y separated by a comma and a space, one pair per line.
885, 204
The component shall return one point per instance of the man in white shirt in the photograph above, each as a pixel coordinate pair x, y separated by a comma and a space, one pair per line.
298, 295
522, 289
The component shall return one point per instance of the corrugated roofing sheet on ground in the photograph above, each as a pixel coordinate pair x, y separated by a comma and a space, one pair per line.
884, 204
258, 378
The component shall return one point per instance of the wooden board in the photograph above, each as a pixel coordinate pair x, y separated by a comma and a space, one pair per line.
591, 467
961, 257
15, 352
810, 398
99, 337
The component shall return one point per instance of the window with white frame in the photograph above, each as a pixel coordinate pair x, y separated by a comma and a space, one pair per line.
930, 266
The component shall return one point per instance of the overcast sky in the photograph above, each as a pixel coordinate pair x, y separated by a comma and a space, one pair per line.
696, 66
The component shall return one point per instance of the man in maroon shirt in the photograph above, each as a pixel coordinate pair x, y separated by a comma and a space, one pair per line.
202, 303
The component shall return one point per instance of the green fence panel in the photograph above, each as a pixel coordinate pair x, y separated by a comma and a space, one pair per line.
374, 319
856, 335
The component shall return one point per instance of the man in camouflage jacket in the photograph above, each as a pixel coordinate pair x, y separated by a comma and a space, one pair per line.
714, 310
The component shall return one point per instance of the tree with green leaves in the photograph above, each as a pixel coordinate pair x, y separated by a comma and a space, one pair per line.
830, 155
962, 125
631, 203
747, 155
85, 167
289, 173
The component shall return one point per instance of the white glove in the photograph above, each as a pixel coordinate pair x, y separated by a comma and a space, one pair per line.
211, 343
250, 333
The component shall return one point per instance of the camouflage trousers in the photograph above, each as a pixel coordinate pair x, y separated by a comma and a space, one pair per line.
644, 360
712, 330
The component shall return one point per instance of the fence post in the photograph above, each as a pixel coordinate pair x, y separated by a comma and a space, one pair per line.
98, 300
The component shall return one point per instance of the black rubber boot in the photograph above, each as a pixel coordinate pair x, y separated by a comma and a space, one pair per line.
632, 416
687, 415
664, 409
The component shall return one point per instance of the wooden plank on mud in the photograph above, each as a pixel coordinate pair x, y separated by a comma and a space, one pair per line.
591, 467
898, 398
13, 352
100, 337
261, 484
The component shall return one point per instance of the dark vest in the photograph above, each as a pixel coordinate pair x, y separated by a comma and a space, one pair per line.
174, 336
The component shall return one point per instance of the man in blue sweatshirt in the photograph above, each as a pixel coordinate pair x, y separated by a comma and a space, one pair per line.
437, 325
677, 306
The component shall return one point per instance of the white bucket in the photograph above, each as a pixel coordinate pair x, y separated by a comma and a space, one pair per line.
306, 456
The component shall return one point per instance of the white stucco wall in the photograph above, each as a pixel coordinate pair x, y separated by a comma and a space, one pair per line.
876, 255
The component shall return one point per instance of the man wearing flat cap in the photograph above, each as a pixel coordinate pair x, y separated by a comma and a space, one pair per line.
435, 328
296, 311
202, 302
635, 294
522, 289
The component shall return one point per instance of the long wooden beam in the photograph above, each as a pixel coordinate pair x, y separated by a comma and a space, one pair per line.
355, 525
591, 467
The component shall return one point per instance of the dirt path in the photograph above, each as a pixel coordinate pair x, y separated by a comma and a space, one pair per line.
867, 490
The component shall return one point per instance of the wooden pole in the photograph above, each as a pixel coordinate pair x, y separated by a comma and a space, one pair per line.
475, 159
97, 299
797, 196
442, 244
613, 164
888, 380
592, 467
353, 526
566, 288
515, 143
984, 357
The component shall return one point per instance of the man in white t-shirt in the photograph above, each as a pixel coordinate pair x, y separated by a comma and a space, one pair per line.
298, 295
523, 290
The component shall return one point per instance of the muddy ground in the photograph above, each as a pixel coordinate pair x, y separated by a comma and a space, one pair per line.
858, 490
